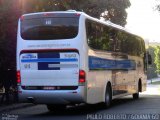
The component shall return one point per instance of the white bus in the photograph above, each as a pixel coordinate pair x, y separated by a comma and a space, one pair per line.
69, 58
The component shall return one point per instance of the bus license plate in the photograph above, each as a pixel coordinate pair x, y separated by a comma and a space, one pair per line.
49, 88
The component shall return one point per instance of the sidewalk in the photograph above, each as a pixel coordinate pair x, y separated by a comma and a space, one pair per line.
153, 87
153, 80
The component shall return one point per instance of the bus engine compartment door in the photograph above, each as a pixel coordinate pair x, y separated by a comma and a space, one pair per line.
49, 68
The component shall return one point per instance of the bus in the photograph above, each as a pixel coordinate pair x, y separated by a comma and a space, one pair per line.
69, 57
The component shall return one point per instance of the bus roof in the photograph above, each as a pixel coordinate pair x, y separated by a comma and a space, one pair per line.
51, 14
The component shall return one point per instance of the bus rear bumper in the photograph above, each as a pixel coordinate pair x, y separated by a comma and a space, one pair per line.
52, 96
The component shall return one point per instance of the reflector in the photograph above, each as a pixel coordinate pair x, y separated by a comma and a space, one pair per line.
18, 77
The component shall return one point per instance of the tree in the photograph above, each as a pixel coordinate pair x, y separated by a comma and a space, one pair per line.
113, 10
9, 14
151, 70
157, 6
116, 11
157, 58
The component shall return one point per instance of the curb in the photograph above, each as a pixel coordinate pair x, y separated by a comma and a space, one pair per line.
153, 80
7, 108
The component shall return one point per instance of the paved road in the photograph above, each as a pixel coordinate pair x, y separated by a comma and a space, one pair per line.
147, 107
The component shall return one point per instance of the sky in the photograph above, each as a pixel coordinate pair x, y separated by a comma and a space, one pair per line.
144, 20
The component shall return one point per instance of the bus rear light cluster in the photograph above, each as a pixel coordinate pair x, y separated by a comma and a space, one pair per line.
18, 77
22, 18
77, 14
48, 14
82, 77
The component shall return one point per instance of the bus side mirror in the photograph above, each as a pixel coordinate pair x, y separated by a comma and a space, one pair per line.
149, 59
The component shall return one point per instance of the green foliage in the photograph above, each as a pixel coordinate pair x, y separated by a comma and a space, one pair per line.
157, 58
151, 71
116, 11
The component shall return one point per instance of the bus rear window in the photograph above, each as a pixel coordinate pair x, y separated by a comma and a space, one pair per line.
49, 28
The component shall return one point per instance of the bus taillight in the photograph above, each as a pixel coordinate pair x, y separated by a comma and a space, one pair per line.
48, 14
22, 18
77, 14
82, 76
18, 77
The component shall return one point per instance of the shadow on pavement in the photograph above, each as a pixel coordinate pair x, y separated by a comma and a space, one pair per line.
125, 105
84, 109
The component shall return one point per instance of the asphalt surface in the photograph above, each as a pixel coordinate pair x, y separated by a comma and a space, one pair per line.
125, 108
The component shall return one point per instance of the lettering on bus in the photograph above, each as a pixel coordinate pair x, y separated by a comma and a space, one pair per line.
49, 45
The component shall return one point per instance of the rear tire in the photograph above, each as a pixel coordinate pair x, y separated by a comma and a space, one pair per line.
56, 107
108, 96
136, 95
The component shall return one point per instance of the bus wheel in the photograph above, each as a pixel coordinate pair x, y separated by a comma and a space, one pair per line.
108, 96
136, 95
55, 107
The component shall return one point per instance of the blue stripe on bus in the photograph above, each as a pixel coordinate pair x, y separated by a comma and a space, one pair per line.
49, 60
101, 63
49, 55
